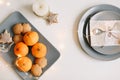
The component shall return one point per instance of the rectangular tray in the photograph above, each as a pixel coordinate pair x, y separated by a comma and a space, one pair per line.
52, 52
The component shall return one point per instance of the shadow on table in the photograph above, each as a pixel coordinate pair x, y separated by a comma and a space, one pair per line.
75, 28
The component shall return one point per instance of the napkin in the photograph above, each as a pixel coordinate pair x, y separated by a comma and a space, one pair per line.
105, 32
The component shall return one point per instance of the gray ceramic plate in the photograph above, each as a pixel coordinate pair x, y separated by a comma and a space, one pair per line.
83, 27
52, 52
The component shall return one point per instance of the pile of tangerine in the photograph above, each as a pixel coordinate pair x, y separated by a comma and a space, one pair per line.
24, 38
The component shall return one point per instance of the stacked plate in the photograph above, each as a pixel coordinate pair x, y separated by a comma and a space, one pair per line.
99, 12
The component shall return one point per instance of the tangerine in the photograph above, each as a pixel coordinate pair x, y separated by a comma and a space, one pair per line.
39, 50
21, 49
30, 38
23, 64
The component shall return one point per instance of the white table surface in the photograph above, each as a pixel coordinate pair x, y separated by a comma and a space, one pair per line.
73, 64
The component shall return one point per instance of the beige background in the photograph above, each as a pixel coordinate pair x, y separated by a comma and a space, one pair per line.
73, 64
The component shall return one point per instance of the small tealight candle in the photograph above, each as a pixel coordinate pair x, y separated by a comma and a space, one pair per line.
40, 8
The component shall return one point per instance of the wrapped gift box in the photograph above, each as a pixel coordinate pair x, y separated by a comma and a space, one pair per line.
105, 33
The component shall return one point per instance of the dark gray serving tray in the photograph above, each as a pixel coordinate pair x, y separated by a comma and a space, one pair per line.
52, 52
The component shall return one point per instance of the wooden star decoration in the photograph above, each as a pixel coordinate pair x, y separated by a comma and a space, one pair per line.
52, 18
